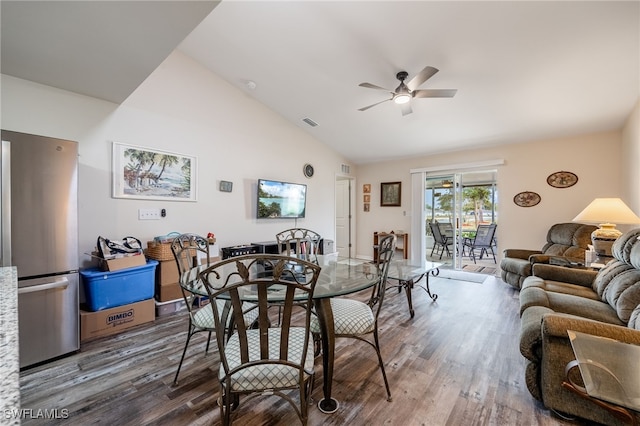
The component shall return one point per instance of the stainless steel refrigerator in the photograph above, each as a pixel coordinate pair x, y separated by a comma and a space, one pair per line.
39, 235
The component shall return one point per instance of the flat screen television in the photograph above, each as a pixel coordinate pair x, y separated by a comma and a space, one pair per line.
281, 200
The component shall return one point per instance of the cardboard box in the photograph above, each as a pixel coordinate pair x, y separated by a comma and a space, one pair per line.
167, 287
112, 265
167, 292
114, 320
167, 272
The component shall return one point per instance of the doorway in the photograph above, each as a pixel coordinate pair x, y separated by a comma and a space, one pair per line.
457, 203
344, 220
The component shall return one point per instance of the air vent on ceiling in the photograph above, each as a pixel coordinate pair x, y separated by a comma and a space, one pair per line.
345, 169
310, 122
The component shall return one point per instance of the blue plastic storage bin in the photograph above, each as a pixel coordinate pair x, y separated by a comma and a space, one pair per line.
110, 289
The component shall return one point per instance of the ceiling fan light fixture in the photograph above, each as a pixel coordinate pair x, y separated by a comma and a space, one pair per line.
405, 92
401, 98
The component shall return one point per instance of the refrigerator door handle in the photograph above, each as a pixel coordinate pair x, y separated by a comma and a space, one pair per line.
62, 283
5, 204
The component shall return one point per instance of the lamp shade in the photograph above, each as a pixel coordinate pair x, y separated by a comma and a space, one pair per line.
607, 210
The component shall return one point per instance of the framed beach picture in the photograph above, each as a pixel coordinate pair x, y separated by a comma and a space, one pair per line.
150, 174
390, 193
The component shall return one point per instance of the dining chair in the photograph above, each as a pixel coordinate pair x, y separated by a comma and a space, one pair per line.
359, 320
298, 241
191, 253
483, 240
269, 359
441, 242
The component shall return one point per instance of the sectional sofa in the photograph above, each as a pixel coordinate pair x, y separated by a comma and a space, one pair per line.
556, 299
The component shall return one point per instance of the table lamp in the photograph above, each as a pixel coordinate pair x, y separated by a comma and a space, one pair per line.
606, 212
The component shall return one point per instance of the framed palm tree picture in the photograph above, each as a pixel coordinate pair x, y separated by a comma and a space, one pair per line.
151, 174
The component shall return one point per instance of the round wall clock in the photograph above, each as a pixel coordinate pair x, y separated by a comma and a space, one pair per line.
562, 179
308, 170
526, 199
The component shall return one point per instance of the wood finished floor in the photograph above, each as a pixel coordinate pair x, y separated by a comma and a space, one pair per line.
456, 363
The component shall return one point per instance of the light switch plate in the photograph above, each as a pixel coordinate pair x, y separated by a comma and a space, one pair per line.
149, 214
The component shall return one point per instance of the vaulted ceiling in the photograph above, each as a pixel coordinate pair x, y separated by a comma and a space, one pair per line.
523, 70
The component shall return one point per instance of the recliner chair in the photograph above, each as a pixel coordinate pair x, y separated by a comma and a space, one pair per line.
565, 240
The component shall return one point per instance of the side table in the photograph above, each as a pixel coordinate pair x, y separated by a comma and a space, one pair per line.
609, 371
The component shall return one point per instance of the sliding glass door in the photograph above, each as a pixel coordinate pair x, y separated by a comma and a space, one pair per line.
457, 203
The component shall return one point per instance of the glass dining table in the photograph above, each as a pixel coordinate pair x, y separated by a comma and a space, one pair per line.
338, 277
408, 273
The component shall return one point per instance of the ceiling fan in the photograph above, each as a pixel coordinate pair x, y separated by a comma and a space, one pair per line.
405, 92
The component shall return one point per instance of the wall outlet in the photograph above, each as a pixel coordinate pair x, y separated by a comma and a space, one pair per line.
149, 214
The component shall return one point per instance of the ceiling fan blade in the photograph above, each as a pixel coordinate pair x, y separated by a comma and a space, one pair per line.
421, 77
434, 93
406, 109
373, 86
372, 105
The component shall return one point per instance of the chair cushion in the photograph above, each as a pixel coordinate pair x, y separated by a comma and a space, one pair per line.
266, 376
349, 317
203, 317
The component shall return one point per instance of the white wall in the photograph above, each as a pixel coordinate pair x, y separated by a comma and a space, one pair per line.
631, 158
182, 108
594, 158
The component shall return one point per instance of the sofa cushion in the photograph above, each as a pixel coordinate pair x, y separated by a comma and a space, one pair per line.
623, 246
623, 293
560, 287
568, 240
634, 255
568, 304
607, 274
634, 319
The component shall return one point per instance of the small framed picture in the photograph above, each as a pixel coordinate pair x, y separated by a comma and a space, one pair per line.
367, 198
390, 193
226, 186
366, 207
366, 188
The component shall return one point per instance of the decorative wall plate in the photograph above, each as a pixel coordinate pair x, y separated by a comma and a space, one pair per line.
562, 179
526, 199
308, 170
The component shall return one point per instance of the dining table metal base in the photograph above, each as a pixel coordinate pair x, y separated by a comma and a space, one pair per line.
328, 406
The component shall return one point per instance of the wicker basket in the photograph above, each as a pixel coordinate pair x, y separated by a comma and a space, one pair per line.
159, 251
